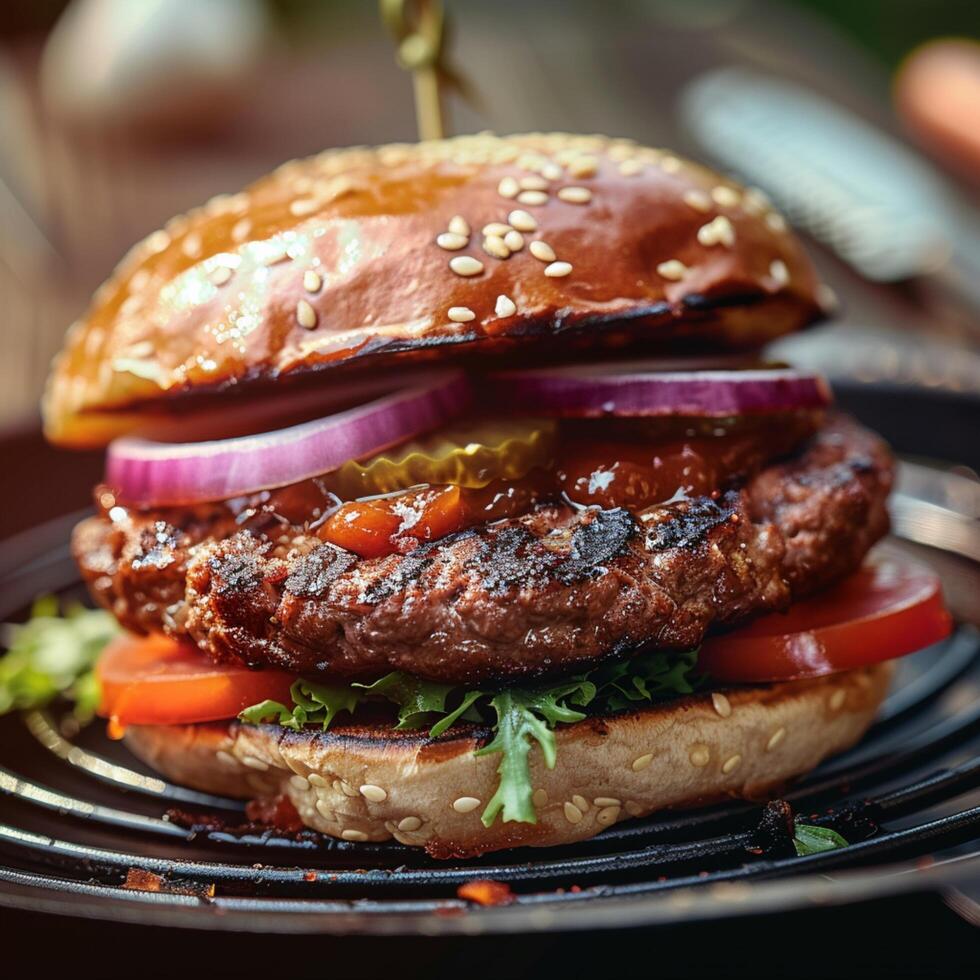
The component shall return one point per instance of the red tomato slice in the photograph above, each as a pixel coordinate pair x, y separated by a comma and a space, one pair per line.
155, 681
885, 610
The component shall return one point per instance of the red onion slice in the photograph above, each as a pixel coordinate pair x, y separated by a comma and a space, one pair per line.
161, 474
590, 393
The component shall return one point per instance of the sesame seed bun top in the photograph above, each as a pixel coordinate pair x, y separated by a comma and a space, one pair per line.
436, 251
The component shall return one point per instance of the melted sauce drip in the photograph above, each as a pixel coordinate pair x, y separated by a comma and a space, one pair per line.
607, 463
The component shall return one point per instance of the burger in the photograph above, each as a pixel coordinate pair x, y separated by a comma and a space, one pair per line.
449, 498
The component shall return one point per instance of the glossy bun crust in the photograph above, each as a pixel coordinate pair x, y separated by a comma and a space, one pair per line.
333, 262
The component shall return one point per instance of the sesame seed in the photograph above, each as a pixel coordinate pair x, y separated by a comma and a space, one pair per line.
827, 298
726, 197
221, 275
496, 228
312, 281
299, 782
755, 201
240, 230
514, 240
532, 197
323, 808
621, 151
575, 195
133, 303
345, 788
355, 835
508, 187
466, 265
607, 815
700, 756
672, 269
461, 314
191, 245
731, 764
539, 798
450, 241
558, 270
630, 168
466, 804
494, 245
717, 231
551, 171
779, 272
543, 251
304, 206
633, 809
642, 762
156, 242
533, 183
505, 306
227, 758
374, 794
522, 221
775, 221
305, 315
836, 700
697, 200
572, 813
316, 779
603, 801
253, 763
581, 802
275, 254
409, 824
458, 225
777, 736
584, 166
670, 164
721, 704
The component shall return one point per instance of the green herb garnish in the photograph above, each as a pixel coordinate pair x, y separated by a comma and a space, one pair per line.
810, 839
54, 654
519, 717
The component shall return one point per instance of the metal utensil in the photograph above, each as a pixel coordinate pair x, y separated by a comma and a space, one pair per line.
871, 200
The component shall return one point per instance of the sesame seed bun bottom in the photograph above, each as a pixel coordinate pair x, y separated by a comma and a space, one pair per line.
372, 784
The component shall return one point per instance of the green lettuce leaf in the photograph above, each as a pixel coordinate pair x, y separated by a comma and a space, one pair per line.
313, 704
649, 677
54, 654
520, 718
416, 699
810, 839
525, 718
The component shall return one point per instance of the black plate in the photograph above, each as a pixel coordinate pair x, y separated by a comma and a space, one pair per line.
77, 812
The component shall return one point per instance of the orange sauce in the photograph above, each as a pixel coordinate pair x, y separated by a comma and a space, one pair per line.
624, 472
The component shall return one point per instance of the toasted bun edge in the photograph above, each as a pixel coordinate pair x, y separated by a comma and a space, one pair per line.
363, 784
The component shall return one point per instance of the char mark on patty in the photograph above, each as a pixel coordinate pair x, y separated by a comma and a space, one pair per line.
556, 589
687, 526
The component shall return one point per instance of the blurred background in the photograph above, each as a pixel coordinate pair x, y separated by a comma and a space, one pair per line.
862, 120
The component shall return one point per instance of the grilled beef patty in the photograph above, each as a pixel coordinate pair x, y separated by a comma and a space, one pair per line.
555, 589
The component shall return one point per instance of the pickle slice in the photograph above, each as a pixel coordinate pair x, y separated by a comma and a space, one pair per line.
465, 456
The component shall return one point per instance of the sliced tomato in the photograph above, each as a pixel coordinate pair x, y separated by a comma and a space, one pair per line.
155, 681
885, 610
